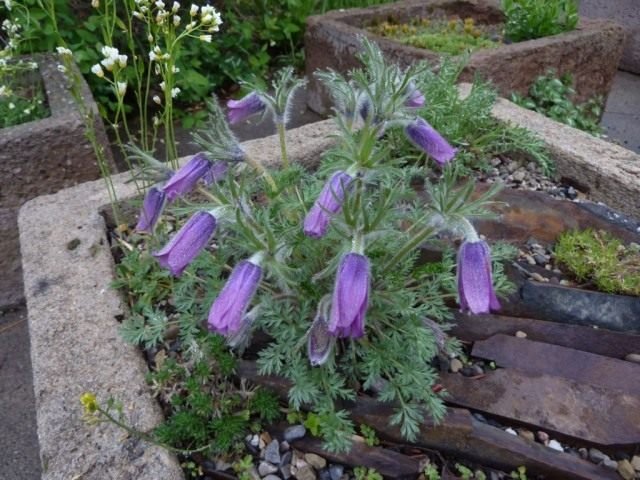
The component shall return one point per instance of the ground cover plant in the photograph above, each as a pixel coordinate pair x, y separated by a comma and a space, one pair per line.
452, 37
553, 97
601, 259
529, 19
325, 264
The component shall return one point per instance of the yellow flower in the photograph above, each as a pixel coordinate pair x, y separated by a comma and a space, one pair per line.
89, 402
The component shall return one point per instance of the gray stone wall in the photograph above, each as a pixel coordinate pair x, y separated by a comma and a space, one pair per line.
38, 158
627, 14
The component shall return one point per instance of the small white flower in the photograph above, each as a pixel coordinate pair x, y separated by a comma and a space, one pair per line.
138, 15
194, 10
156, 99
122, 61
97, 69
175, 69
64, 51
205, 38
109, 52
32, 65
7, 4
175, 92
156, 121
176, 20
160, 4
12, 105
108, 63
162, 85
121, 88
175, 7
95, 3
62, 68
26, 111
4, 91
150, 38
191, 25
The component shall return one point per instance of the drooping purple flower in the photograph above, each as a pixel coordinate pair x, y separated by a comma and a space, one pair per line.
426, 138
319, 341
216, 173
185, 245
229, 308
185, 179
152, 206
244, 108
328, 203
350, 297
415, 99
475, 283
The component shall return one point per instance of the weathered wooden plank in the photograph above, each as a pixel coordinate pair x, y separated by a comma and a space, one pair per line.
587, 413
583, 367
602, 342
462, 436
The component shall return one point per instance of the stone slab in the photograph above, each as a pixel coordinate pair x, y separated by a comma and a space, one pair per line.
626, 13
570, 409
75, 346
42, 157
590, 53
607, 172
538, 357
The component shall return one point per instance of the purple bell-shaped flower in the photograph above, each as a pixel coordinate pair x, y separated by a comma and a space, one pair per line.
185, 245
350, 297
475, 283
319, 342
152, 206
426, 138
415, 99
230, 306
244, 108
185, 179
327, 204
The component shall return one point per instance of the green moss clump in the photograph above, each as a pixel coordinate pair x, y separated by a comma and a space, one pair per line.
601, 258
452, 37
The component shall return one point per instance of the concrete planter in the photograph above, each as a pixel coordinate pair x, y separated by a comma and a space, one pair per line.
590, 53
73, 312
41, 157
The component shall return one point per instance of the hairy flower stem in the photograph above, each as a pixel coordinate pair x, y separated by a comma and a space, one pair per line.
283, 144
146, 436
408, 247
260, 168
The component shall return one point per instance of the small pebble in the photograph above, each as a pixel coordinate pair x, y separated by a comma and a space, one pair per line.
285, 458
584, 453
336, 471
543, 437
272, 452
555, 445
477, 370
306, 473
540, 259
633, 357
455, 366
596, 456
294, 432
610, 463
530, 260
635, 461
527, 434
316, 461
538, 278
285, 472
626, 470
521, 334
272, 477
265, 468
324, 474
511, 431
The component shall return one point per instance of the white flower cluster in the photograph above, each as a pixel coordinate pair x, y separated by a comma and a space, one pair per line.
204, 18
64, 52
4, 91
112, 57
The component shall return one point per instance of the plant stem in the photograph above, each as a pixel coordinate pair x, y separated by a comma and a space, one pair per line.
260, 168
283, 144
408, 247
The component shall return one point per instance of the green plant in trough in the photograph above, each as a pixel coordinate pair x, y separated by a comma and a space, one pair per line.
451, 37
599, 257
553, 97
529, 19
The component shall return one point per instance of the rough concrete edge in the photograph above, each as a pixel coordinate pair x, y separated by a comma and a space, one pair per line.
609, 172
72, 323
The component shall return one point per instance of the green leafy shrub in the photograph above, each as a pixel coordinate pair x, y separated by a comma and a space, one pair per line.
601, 258
529, 19
552, 96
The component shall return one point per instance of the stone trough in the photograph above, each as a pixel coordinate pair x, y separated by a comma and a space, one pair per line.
73, 321
590, 53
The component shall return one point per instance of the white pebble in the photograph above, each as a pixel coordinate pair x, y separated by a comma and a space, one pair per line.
554, 444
